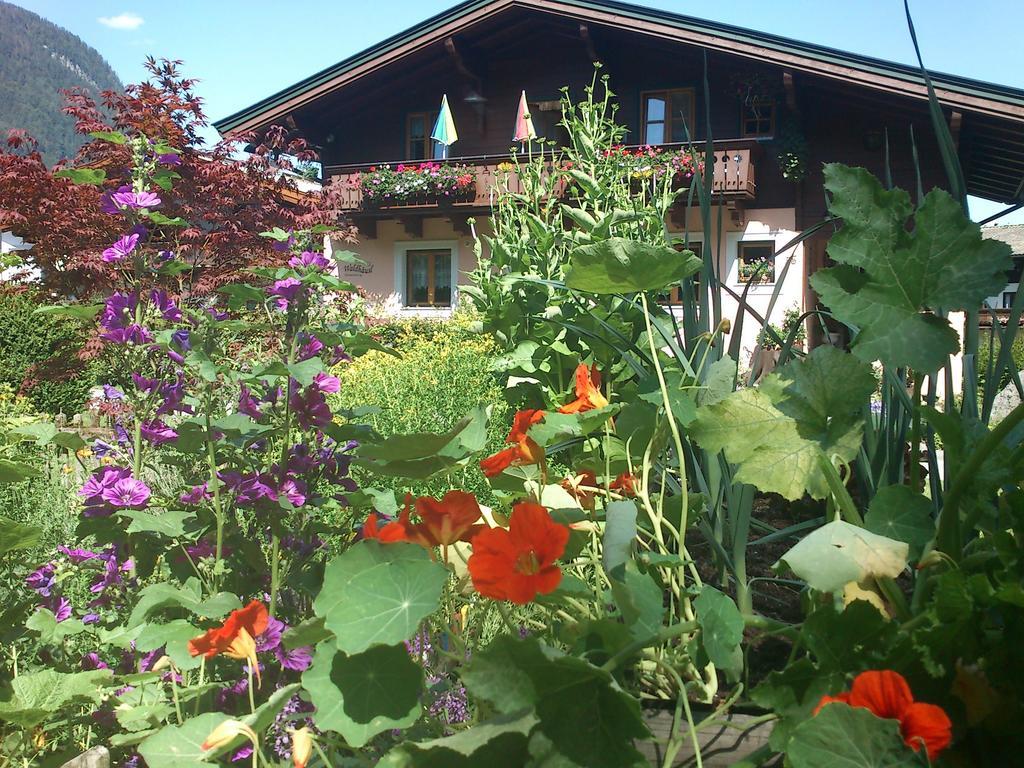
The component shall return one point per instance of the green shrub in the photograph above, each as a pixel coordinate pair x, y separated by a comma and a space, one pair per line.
52, 343
444, 372
988, 355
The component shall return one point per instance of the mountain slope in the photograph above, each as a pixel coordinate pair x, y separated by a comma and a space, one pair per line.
37, 59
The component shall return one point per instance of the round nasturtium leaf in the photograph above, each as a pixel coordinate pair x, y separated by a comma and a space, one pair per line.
377, 594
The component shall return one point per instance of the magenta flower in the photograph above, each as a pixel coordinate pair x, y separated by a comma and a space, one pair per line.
120, 250
127, 493
326, 383
297, 659
309, 260
286, 291
60, 606
107, 204
157, 433
197, 495
204, 549
93, 661
136, 200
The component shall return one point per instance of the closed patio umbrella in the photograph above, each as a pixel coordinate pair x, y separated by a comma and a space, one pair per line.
524, 122
444, 129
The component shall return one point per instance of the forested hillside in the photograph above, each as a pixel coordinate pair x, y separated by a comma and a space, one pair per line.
37, 59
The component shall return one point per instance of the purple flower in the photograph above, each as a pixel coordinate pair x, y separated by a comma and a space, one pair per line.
248, 404
102, 448
93, 661
197, 495
286, 245
132, 334
286, 290
165, 306
248, 489
217, 315
135, 200
338, 355
107, 204
119, 310
326, 383
203, 549
297, 659
310, 347
163, 256
168, 158
77, 556
182, 340
100, 482
112, 393
127, 492
309, 259
294, 491
60, 606
90, 618
271, 636
310, 409
174, 396
42, 579
157, 433
121, 249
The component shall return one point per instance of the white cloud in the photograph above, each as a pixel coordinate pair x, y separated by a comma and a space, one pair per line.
126, 20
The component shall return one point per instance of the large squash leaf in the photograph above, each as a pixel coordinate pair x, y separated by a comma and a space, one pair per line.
891, 280
618, 265
777, 433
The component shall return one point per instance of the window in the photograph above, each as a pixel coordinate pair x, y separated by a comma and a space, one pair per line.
674, 295
428, 277
668, 116
1013, 275
757, 262
418, 144
1008, 298
758, 119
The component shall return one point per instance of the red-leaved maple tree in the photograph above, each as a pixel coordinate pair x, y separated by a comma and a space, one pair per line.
226, 197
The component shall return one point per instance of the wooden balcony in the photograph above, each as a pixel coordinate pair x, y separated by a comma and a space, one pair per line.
733, 178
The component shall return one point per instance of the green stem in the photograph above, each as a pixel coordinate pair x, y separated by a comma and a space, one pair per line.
275, 570
252, 697
950, 537
663, 634
218, 509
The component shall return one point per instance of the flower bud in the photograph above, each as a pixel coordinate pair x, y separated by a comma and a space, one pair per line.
227, 732
164, 662
302, 747
725, 326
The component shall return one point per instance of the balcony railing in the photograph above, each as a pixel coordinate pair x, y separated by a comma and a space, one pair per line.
732, 177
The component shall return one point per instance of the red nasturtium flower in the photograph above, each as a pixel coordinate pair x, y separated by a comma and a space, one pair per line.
887, 695
519, 563
625, 484
588, 391
442, 523
523, 450
236, 637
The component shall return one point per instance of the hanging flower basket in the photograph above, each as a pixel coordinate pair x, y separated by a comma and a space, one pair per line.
428, 183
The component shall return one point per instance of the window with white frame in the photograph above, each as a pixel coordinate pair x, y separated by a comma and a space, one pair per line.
756, 262
426, 274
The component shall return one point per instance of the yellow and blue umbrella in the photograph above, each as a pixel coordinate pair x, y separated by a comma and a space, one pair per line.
444, 129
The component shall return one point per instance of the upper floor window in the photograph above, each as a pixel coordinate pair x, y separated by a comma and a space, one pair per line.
758, 119
418, 144
1013, 275
668, 116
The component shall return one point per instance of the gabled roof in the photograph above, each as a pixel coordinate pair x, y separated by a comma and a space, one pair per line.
956, 92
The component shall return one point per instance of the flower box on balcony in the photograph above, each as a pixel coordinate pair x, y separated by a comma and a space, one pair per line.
427, 183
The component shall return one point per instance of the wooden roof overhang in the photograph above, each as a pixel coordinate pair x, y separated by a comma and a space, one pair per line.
992, 116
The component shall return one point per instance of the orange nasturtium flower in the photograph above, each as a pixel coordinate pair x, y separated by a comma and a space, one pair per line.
236, 637
887, 695
588, 391
523, 450
519, 563
625, 484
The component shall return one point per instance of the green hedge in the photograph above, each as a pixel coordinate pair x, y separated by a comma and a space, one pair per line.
27, 339
987, 355
444, 372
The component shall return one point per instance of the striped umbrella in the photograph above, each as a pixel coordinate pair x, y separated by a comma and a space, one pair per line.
524, 123
444, 129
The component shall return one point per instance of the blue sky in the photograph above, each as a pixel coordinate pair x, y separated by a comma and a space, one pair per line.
245, 50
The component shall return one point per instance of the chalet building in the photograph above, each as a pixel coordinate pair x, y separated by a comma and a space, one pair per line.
776, 109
